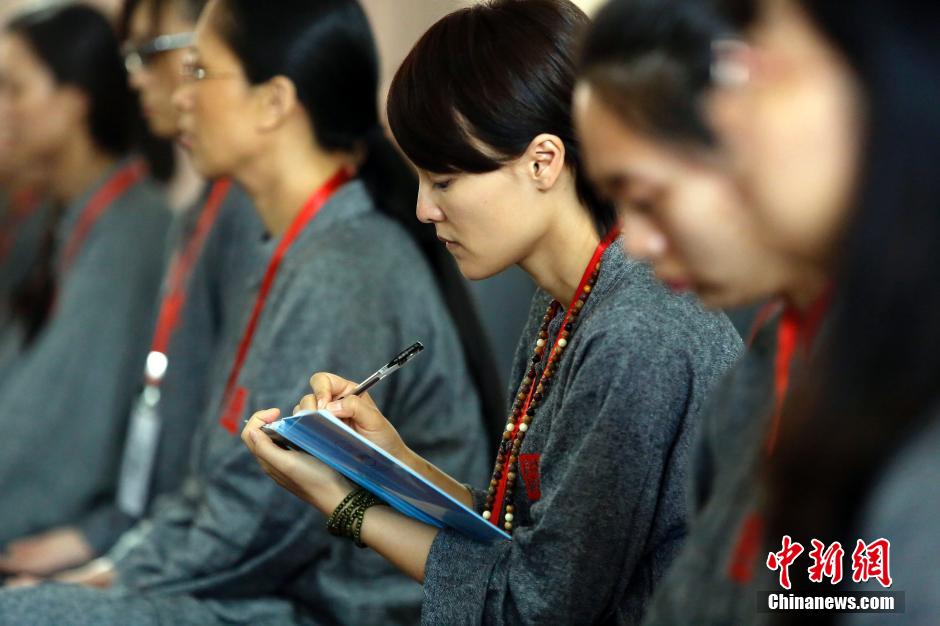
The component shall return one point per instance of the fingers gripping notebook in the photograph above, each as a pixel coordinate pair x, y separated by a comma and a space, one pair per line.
322, 435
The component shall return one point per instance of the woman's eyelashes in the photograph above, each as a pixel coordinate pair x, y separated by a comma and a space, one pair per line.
441, 185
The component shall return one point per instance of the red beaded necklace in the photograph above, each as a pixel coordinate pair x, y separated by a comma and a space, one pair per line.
532, 391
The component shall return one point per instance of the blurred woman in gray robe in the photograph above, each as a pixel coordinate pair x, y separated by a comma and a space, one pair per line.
64, 404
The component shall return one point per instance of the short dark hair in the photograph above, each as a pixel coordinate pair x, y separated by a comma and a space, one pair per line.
484, 81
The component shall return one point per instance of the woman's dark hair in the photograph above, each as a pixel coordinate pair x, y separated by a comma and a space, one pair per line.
875, 386
486, 80
650, 60
326, 48
79, 47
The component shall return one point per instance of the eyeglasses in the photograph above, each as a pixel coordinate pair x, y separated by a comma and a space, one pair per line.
139, 57
193, 72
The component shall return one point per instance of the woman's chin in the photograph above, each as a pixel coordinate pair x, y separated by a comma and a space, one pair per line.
206, 168
476, 271
722, 299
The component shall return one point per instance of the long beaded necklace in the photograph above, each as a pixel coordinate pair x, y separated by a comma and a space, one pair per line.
533, 390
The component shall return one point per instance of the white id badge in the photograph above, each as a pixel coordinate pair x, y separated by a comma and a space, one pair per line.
140, 452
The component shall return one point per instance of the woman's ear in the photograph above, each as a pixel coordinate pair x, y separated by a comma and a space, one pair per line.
544, 160
277, 100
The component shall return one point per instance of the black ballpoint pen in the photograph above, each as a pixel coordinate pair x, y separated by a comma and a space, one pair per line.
392, 366
389, 368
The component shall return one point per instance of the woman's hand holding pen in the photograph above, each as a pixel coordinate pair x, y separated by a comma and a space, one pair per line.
402, 540
302, 474
313, 481
360, 413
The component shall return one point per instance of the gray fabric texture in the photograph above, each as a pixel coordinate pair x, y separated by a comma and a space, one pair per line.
613, 435
68, 605
725, 462
353, 291
25, 241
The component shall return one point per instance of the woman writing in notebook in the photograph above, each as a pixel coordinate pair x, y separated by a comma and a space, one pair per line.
611, 370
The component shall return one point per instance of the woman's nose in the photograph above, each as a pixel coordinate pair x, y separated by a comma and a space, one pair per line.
426, 209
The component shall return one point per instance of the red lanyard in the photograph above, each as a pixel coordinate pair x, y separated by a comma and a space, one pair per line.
113, 189
234, 398
598, 253
182, 266
22, 206
793, 329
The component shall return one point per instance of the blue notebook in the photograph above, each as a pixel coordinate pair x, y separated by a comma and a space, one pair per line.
327, 438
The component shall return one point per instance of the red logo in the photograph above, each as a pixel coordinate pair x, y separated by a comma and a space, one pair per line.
869, 561
826, 563
783, 559
529, 468
872, 561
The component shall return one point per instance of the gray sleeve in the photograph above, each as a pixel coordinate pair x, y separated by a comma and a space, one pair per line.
589, 532
224, 539
173, 512
244, 534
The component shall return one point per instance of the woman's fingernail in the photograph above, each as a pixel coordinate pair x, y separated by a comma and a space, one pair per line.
334, 406
253, 435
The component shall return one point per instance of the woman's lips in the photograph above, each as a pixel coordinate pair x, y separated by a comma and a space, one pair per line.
185, 141
450, 244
